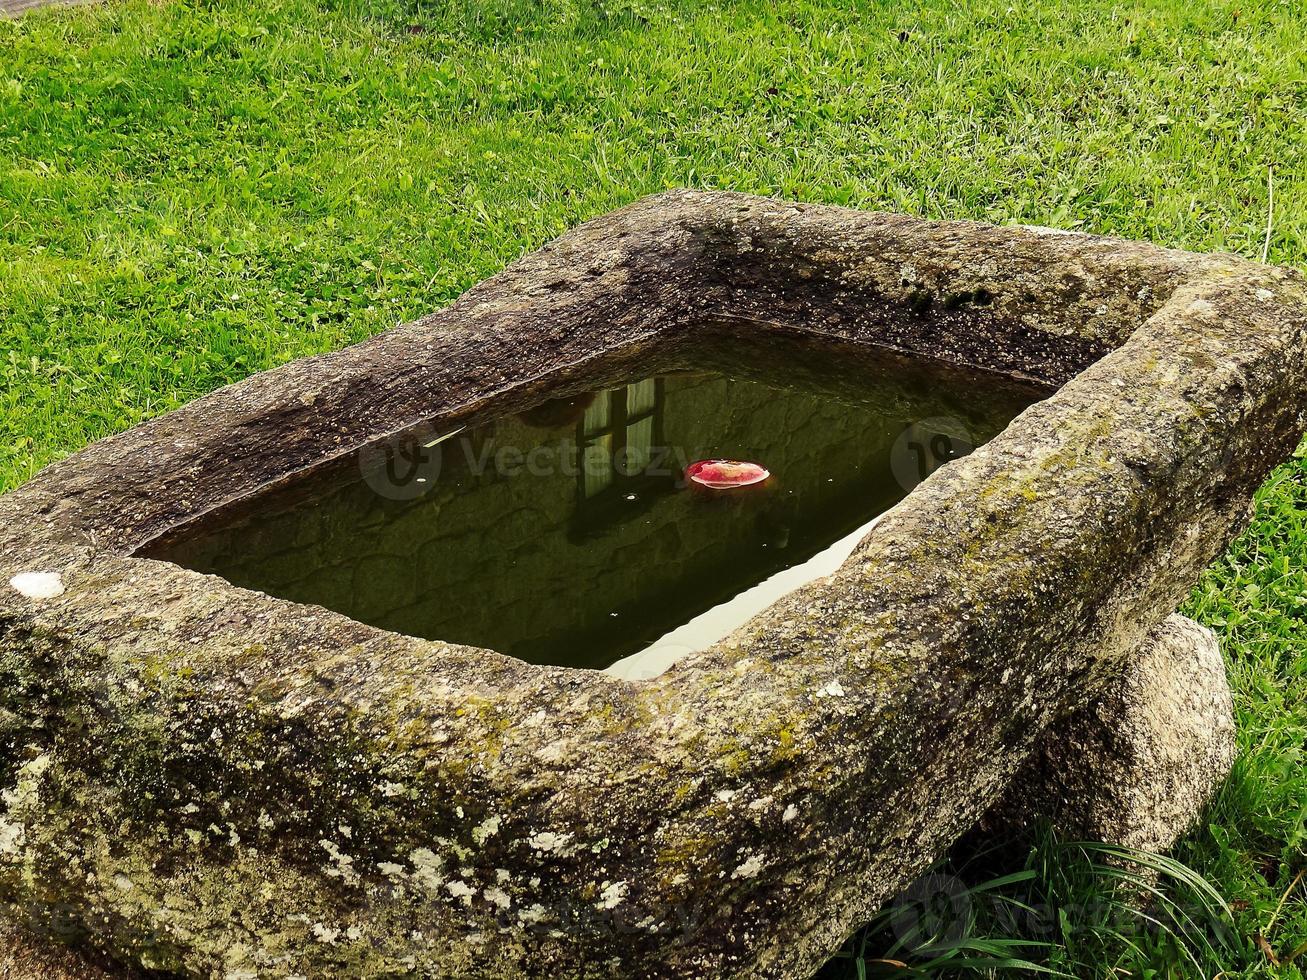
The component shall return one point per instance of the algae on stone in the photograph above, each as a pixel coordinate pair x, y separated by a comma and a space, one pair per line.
212, 781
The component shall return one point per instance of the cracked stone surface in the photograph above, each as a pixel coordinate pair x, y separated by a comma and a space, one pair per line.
211, 781
1138, 764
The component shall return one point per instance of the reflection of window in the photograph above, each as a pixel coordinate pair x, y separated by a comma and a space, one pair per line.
643, 400
618, 434
597, 465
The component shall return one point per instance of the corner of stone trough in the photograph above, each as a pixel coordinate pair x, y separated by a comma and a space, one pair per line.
207, 780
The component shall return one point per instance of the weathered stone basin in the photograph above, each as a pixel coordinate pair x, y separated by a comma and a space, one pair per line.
206, 779
569, 534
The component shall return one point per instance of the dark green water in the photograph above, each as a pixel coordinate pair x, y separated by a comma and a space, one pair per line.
564, 532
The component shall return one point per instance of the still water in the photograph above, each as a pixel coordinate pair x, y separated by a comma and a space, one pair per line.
565, 532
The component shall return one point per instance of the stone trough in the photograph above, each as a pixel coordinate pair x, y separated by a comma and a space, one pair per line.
204, 779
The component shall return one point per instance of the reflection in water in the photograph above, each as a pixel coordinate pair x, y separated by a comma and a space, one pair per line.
566, 533
616, 438
724, 618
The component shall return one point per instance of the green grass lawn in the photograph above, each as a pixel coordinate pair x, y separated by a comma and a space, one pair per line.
192, 192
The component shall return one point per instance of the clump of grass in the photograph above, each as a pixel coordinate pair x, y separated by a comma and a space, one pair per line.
1070, 909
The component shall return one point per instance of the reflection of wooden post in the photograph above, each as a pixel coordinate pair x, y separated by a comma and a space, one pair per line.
594, 441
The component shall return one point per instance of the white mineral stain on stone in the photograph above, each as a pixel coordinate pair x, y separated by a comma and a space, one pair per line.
1201, 307
548, 841
832, 690
1264, 295
485, 830
1044, 230
532, 915
750, 868
38, 585
344, 868
461, 889
12, 836
553, 752
13, 833
497, 896
725, 795
790, 813
612, 895
426, 868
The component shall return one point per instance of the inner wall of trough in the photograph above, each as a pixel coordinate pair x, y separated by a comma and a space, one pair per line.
1024, 311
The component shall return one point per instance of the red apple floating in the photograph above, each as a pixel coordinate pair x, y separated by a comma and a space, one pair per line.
725, 474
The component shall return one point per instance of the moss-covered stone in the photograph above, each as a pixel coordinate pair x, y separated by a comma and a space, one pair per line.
1136, 765
211, 781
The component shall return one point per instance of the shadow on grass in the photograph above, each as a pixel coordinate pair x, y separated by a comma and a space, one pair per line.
1040, 906
492, 21
508, 21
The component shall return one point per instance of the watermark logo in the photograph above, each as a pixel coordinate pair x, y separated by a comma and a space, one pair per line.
406, 467
933, 912
925, 446
403, 467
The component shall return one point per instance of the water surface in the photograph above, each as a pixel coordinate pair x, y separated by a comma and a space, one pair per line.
563, 531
